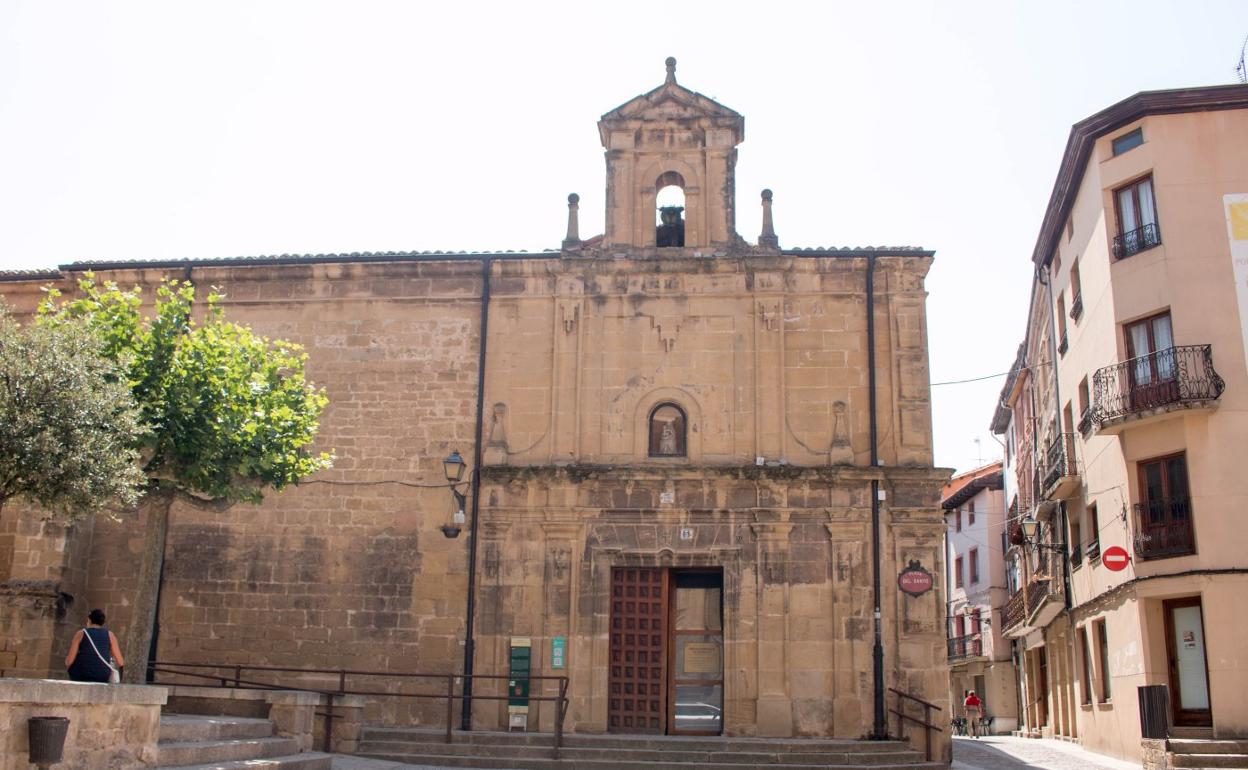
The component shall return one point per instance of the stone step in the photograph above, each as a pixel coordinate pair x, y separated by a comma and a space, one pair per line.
641, 742
1207, 746
1209, 760
307, 761
525, 763
1201, 733
183, 753
180, 728
840, 757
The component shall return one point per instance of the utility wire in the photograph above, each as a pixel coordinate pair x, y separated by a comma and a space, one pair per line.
990, 376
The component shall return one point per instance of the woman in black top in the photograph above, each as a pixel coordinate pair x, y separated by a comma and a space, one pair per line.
83, 662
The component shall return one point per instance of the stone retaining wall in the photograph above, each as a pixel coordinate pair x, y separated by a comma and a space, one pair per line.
113, 726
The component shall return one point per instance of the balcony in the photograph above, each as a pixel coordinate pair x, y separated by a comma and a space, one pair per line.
1076, 306
963, 647
1014, 611
1164, 528
1137, 240
1085, 422
1064, 345
1151, 387
1041, 600
1061, 476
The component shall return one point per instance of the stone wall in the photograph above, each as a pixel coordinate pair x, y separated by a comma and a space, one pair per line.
113, 726
766, 353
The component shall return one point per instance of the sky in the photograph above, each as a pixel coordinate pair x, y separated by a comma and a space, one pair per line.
149, 130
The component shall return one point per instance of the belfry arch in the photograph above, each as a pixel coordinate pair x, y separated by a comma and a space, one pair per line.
670, 134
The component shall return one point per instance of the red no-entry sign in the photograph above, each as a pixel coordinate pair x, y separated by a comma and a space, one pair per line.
1115, 558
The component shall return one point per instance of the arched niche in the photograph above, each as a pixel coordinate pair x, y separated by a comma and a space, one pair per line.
665, 173
669, 224
667, 431
652, 406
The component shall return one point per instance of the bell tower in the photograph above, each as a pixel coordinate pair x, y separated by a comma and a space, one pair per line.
671, 156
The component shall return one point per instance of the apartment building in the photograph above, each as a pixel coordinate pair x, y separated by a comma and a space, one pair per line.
979, 654
1125, 420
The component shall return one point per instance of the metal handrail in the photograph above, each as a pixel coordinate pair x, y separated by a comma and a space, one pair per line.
235, 679
926, 721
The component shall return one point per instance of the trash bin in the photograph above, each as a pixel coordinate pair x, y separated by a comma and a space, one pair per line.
1154, 711
47, 739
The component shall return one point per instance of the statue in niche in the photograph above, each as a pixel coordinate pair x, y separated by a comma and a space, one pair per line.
667, 431
667, 441
496, 446
842, 452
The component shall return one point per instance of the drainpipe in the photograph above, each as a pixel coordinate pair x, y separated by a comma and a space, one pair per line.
466, 717
879, 729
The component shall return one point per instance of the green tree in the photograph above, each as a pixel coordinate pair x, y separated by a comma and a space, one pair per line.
68, 422
227, 413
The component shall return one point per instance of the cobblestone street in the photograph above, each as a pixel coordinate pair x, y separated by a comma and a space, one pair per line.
1000, 752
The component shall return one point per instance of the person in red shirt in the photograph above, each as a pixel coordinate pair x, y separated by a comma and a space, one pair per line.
973, 708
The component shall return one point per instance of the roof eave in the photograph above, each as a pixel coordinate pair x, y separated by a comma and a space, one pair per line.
1083, 136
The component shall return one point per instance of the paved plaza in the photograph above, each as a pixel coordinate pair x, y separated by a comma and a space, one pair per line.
993, 753
999, 752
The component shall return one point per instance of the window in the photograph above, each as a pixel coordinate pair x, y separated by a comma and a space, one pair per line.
974, 557
1061, 326
957, 572
1128, 141
1153, 370
1085, 668
975, 621
1085, 408
1165, 521
1102, 642
667, 431
1070, 228
1137, 218
1076, 543
1094, 534
958, 516
970, 514
1076, 293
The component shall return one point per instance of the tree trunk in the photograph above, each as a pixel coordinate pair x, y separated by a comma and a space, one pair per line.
138, 641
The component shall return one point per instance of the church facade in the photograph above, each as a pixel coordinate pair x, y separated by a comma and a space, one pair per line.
698, 468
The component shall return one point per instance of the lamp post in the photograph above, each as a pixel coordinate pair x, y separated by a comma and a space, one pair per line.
454, 466
1031, 529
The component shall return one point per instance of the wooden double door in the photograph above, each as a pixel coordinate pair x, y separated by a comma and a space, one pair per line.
666, 651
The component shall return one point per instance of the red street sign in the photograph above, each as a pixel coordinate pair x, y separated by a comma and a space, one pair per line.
1115, 558
915, 580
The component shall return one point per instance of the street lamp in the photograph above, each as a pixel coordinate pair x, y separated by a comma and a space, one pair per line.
454, 466
1031, 529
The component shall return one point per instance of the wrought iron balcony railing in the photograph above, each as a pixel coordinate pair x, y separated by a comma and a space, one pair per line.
1037, 592
1076, 306
1014, 611
1137, 240
1059, 461
1094, 549
969, 646
1178, 375
1085, 421
1064, 345
1164, 528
